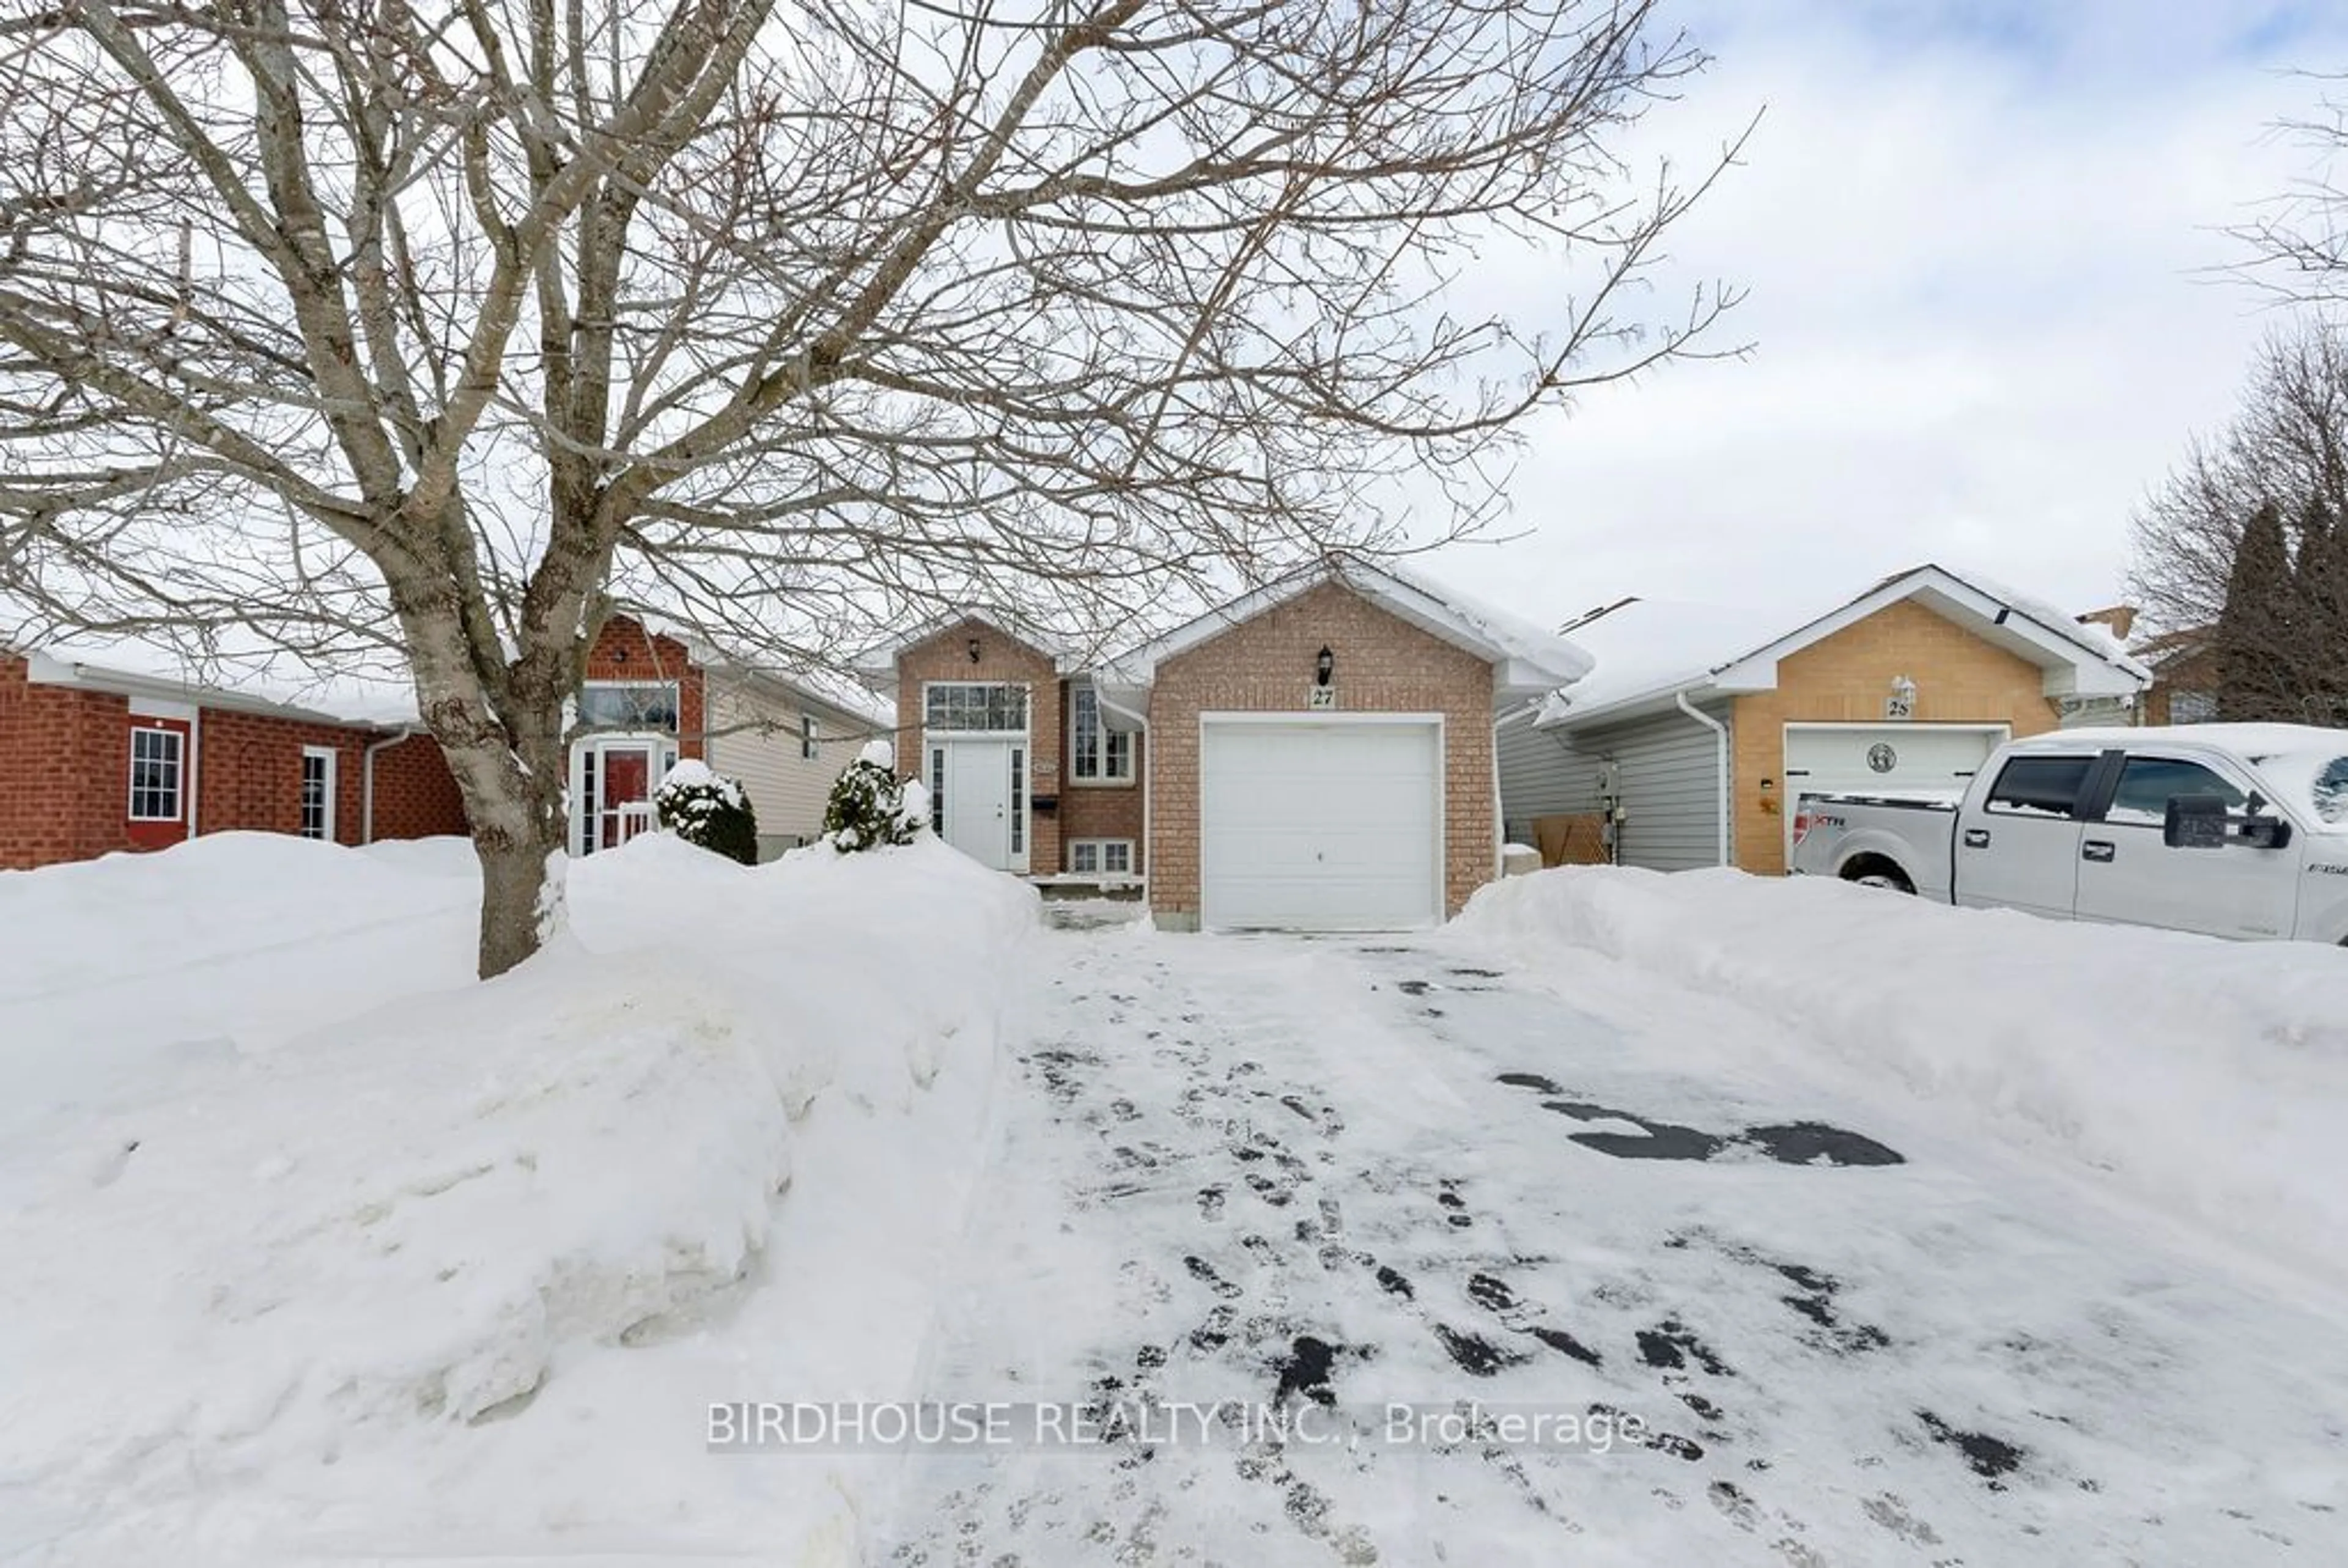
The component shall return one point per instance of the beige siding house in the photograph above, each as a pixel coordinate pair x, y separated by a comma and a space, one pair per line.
786, 746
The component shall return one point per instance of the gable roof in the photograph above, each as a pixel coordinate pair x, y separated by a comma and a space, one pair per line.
1650, 654
1526, 659
877, 665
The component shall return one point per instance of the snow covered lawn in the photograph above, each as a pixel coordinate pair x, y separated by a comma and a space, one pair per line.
314, 1248
1843, 1230
2208, 1079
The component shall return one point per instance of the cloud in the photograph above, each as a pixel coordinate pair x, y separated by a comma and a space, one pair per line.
1977, 241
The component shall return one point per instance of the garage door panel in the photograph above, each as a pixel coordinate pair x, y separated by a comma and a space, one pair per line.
1918, 759
1320, 826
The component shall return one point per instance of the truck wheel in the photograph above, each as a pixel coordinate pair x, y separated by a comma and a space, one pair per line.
1873, 871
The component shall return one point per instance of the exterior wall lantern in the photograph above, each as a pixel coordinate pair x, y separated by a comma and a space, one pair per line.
1901, 702
973, 650
1324, 665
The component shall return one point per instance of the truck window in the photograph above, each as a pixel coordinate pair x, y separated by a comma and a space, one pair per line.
2038, 787
2148, 784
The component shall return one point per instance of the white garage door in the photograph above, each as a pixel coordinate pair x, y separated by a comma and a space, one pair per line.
1332, 826
1928, 760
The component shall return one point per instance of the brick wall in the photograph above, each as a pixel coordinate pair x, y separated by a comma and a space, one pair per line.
624, 651
64, 761
946, 657
1102, 810
1844, 679
1384, 664
248, 773
415, 795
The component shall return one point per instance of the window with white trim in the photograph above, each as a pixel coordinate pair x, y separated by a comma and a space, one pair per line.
156, 766
938, 791
318, 791
810, 748
1101, 856
1096, 752
643, 705
975, 707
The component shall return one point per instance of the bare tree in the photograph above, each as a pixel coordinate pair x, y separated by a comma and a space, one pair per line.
434, 332
2295, 245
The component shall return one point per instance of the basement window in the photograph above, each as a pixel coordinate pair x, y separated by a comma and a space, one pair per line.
1100, 857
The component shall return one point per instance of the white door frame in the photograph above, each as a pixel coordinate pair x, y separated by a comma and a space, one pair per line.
1998, 731
588, 752
1019, 810
1020, 813
1236, 719
333, 758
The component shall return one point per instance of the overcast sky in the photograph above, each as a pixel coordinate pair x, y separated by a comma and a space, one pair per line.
1975, 237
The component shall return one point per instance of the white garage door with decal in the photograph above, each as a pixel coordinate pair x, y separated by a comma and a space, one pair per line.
1917, 761
1333, 825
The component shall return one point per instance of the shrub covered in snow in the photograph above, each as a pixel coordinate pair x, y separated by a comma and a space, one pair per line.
871, 807
702, 806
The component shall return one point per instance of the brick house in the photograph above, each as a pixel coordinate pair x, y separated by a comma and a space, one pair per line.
1317, 754
1702, 724
653, 696
95, 759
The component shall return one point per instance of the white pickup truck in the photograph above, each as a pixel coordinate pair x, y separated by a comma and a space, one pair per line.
2237, 830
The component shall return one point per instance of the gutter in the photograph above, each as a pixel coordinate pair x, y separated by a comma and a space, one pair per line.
367, 776
1720, 765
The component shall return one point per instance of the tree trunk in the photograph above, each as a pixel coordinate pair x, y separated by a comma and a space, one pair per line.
521, 894
514, 788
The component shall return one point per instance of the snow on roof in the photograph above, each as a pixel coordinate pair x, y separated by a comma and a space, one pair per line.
1647, 650
1527, 658
1658, 646
280, 683
879, 663
275, 684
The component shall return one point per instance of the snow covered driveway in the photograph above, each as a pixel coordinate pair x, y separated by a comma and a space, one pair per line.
1354, 1175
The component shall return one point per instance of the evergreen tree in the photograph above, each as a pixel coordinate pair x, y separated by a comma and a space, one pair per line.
2255, 629
870, 807
2321, 577
704, 808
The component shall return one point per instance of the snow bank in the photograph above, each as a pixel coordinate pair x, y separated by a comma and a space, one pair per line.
2207, 1077
404, 1272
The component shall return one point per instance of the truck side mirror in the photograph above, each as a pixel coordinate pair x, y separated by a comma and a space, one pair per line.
2265, 832
2195, 822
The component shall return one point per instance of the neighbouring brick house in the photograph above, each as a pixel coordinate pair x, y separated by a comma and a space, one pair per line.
95, 759
1702, 726
1316, 755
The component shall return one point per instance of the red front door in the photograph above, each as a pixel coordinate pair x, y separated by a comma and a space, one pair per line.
162, 757
627, 794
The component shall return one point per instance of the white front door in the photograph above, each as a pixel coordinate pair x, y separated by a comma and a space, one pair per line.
1320, 825
982, 799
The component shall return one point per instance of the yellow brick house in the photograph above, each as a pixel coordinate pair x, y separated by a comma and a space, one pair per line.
1700, 726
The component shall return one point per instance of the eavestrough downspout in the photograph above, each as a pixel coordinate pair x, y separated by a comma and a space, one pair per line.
1720, 766
367, 777
1148, 765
